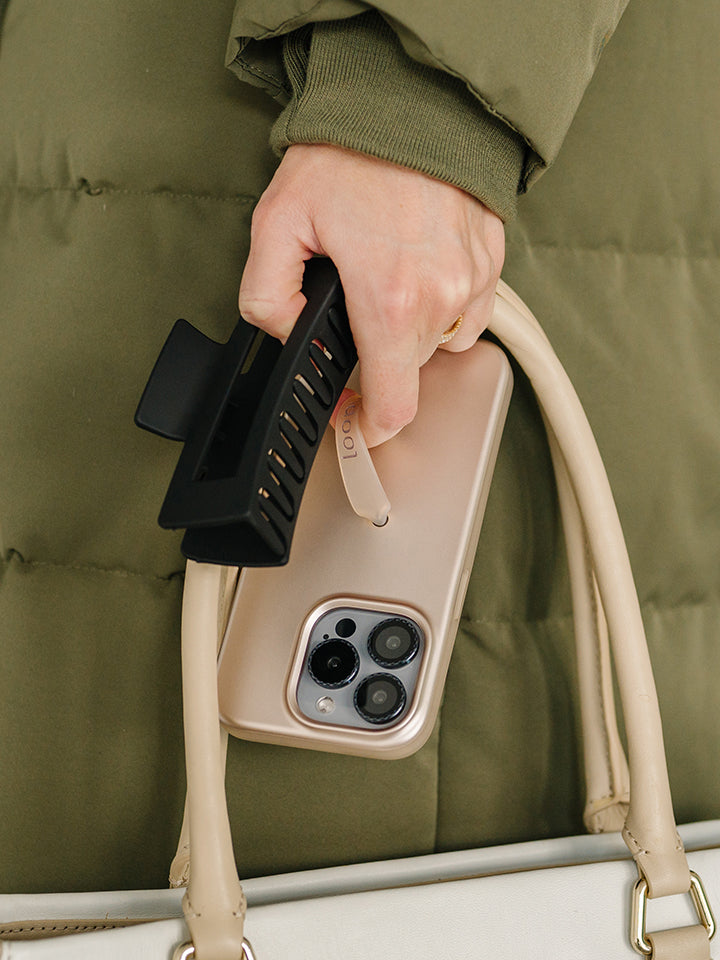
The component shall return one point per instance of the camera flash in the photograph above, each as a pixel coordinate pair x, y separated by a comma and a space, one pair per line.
325, 705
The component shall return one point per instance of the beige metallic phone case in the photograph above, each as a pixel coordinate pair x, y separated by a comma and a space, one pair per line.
414, 569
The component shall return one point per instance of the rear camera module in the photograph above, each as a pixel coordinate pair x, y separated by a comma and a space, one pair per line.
380, 698
333, 663
393, 643
358, 666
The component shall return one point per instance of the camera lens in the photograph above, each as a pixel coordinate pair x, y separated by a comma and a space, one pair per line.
393, 643
345, 627
333, 663
380, 698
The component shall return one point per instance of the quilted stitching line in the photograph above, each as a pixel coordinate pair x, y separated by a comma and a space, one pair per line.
612, 249
93, 568
711, 602
101, 190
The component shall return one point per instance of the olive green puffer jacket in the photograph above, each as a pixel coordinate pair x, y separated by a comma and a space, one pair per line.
130, 161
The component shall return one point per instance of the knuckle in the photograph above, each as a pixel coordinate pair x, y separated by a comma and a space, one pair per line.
258, 218
454, 288
486, 271
496, 242
263, 313
492, 257
400, 302
262, 217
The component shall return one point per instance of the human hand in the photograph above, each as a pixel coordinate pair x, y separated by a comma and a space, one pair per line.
413, 253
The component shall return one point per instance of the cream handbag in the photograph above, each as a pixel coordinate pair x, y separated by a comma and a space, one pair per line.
567, 898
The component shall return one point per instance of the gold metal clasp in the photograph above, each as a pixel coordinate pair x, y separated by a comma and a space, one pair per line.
186, 951
638, 937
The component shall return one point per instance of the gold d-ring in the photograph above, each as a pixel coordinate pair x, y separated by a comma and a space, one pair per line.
451, 331
638, 939
186, 951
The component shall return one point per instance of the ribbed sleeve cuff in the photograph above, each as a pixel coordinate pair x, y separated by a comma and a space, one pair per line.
354, 85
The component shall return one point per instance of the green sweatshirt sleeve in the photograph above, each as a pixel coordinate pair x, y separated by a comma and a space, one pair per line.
527, 64
352, 84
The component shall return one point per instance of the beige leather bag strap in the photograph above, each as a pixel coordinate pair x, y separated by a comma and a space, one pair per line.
179, 874
607, 778
649, 828
214, 904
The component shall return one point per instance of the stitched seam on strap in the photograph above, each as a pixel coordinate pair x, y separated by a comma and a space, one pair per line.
639, 849
598, 665
46, 930
679, 847
438, 781
35, 928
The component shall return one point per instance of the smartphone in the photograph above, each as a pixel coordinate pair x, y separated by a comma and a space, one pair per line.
346, 648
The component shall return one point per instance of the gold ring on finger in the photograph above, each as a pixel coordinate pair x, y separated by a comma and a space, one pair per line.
451, 331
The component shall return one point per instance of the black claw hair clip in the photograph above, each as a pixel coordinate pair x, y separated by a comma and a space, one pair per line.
251, 413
